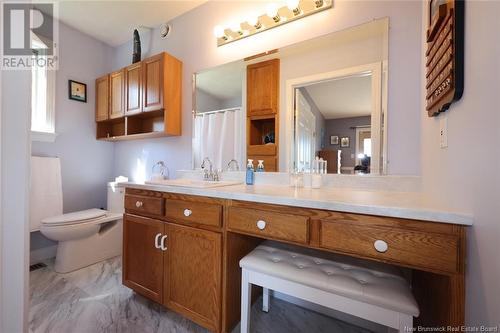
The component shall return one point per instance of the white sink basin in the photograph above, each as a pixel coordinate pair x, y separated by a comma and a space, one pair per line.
193, 183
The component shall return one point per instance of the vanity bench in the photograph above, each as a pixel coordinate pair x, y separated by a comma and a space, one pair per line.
182, 248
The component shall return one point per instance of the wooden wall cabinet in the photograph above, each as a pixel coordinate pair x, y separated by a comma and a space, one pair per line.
142, 100
263, 112
102, 98
263, 87
116, 94
133, 88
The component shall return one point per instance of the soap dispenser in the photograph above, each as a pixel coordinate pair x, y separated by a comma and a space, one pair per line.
250, 172
260, 166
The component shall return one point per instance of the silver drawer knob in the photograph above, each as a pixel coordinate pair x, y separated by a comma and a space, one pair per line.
138, 204
381, 246
187, 212
261, 224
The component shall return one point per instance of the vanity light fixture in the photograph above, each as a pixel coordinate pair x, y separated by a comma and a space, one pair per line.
275, 16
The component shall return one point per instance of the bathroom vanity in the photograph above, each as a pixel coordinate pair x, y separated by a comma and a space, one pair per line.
182, 245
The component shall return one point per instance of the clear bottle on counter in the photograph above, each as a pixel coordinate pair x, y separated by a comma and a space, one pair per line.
296, 178
250, 173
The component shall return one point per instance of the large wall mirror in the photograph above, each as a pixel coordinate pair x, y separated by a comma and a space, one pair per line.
331, 103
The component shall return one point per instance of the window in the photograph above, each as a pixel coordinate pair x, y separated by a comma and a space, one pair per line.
42, 100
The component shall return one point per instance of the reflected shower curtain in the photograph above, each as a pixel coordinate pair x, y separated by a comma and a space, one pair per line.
220, 137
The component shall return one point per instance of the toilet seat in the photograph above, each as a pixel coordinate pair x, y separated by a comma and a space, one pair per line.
74, 218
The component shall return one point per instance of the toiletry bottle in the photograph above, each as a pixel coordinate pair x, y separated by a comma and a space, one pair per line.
260, 166
250, 173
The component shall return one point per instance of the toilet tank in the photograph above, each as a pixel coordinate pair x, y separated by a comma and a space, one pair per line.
116, 195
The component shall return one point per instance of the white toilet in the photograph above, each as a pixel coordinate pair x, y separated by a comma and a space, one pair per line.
85, 237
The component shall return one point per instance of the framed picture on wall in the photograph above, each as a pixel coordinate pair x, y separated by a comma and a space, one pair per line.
334, 139
344, 142
77, 91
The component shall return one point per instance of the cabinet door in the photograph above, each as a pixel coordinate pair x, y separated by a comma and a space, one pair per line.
142, 261
133, 88
101, 98
193, 274
263, 87
117, 95
152, 92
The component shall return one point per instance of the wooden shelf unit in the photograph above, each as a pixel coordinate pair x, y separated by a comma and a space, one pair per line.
263, 112
142, 100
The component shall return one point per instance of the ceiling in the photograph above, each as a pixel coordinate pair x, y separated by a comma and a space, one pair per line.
223, 82
342, 98
113, 21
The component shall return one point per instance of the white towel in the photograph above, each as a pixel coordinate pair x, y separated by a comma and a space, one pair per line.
45, 190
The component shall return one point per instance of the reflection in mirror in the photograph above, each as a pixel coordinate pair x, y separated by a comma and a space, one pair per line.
219, 118
331, 102
333, 121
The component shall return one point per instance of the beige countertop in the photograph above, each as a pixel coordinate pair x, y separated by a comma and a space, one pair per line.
409, 205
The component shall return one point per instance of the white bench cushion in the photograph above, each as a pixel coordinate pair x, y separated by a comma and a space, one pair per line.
369, 282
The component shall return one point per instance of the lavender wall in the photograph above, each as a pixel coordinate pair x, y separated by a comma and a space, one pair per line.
342, 127
192, 42
86, 163
465, 176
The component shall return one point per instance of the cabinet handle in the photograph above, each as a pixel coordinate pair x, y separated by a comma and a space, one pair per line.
380, 245
261, 224
162, 243
187, 212
157, 241
138, 204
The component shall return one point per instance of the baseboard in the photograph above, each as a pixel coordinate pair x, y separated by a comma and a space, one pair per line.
374, 327
42, 254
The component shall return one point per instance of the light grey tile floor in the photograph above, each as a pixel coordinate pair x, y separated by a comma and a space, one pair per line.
93, 300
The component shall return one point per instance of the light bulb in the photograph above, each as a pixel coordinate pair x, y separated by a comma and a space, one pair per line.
253, 20
293, 5
272, 11
236, 27
219, 32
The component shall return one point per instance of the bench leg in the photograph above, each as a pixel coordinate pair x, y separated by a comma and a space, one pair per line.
405, 323
265, 299
246, 300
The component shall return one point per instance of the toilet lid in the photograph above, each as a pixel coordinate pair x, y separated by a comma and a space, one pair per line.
75, 217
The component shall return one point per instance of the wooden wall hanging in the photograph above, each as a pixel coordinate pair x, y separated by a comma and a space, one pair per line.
445, 55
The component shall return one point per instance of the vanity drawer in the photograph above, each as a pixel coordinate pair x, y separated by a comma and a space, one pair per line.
407, 247
261, 223
143, 204
193, 212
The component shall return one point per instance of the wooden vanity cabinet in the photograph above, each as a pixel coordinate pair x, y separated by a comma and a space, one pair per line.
142, 260
186, 274
102, 98
193, 274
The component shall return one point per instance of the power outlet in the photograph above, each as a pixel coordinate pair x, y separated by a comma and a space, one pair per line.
443, 132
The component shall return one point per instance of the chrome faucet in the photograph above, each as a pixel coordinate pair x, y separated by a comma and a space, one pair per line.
209, 175
229, 165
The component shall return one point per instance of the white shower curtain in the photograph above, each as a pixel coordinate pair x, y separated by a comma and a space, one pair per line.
220, 137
